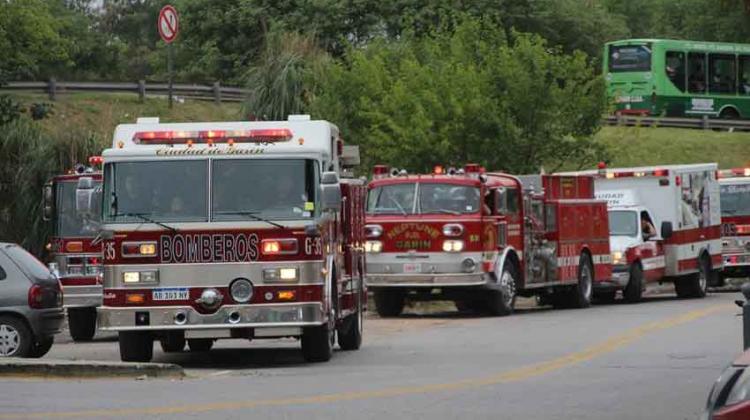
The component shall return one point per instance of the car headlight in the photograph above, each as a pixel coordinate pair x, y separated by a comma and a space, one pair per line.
241, 290
140, 276
373, 246
741, 389
453, 246
617, 258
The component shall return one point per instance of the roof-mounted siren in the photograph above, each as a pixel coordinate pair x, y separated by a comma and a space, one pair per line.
379, 171
473, 169
96, 160
602, 168
452, 171
298, 117
395, 172
438, 170
733, 173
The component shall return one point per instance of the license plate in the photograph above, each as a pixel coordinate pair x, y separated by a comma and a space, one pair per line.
169, 294
412, 268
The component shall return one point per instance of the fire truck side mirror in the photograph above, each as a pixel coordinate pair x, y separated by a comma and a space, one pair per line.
86, 195
48, 202
666, 230
330, 192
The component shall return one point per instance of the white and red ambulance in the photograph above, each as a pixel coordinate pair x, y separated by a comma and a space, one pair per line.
735, 220
665, 226
219, 230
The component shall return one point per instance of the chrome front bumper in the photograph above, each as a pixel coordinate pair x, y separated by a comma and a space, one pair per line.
250, 316
428, 280
82, 296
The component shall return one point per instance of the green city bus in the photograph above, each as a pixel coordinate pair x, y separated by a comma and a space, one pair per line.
659, 77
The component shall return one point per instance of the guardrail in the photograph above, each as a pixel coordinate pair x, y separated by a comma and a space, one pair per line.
52, 87
704, 123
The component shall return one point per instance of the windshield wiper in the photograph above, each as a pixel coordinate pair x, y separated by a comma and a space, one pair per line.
446, 211
253, 215
401, 209
146, 218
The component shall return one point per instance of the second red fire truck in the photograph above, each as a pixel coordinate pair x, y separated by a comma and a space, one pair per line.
735, 220
482, 239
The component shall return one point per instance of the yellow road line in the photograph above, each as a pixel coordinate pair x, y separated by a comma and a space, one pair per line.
522, 373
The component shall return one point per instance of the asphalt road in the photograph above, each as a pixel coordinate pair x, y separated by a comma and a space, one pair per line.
654, 360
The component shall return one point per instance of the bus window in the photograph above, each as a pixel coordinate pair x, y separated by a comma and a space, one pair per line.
629, 58
675, 69
697, 73
722, 76
744, 75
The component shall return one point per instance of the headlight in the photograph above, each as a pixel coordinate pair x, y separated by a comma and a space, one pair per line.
241, 290
373, 246
741, 389
280, 274
140, 276
373, 231
453, 229
617, 258
453, 246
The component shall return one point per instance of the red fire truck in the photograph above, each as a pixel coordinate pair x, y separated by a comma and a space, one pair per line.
683, 202
74, 253
735, 221
242, 230
481, 239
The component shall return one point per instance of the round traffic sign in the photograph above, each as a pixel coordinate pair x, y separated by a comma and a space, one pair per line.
168, 24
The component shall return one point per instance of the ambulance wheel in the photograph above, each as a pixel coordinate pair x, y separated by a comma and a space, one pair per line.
501, 302
317, 343
136, 346
694, 286
580, 295
172, 342
200, 344
82, 323
389, 302
634, 290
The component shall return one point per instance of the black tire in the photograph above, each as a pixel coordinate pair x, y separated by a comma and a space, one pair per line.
350, 333
581, 294
41, 347
389, 302
633, 292
605, 297
200, 344
15, 337
502, 302
136, 346
82, 323
718, 279
694, 285
729, 114
317, 344
172, 342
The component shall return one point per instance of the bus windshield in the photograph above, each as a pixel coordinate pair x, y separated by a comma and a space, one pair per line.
735, 200
433, 198
628, 58
69, 222
623, 223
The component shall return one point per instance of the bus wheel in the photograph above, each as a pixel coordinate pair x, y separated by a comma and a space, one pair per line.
389, 302
82, 323
580, 296
136, 346
317, 343
503, 301
634, 290
729, 114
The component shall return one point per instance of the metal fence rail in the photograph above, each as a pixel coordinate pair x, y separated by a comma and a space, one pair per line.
704, 123
52, 87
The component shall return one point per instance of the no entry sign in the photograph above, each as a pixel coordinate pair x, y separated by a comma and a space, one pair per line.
168, 24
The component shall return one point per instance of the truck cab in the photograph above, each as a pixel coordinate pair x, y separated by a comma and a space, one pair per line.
735, 222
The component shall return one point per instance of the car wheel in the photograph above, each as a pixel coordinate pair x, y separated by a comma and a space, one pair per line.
82, 323
41, 347
136, 346
200, 344
633, 292
15, 337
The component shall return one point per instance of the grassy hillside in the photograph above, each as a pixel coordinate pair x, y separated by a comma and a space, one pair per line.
634, 146
99, 113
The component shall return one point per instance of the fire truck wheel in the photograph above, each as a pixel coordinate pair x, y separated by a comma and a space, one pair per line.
136, 346
350, 335
694, 286
580, 295
82, 323
317, 343
172, 342
200, 344
502, 302
389, 303
634, 290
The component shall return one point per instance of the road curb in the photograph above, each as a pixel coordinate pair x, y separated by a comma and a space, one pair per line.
87, 369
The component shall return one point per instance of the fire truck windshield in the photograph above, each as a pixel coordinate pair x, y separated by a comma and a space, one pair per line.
423, 198
623, 223
735, 200
69, 222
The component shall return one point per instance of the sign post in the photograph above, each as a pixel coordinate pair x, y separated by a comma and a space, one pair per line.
168, 26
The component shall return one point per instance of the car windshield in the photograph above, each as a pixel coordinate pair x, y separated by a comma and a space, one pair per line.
735, 200
623, 223
161, 191
434, 198
268, 189
69, 222
31, 266
629, 58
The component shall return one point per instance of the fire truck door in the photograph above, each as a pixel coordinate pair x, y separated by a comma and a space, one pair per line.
538, 252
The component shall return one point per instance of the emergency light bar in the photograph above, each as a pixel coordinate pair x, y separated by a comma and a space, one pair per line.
733, 173
638, 174
272, 135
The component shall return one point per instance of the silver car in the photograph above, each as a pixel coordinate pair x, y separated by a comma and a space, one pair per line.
31, 310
